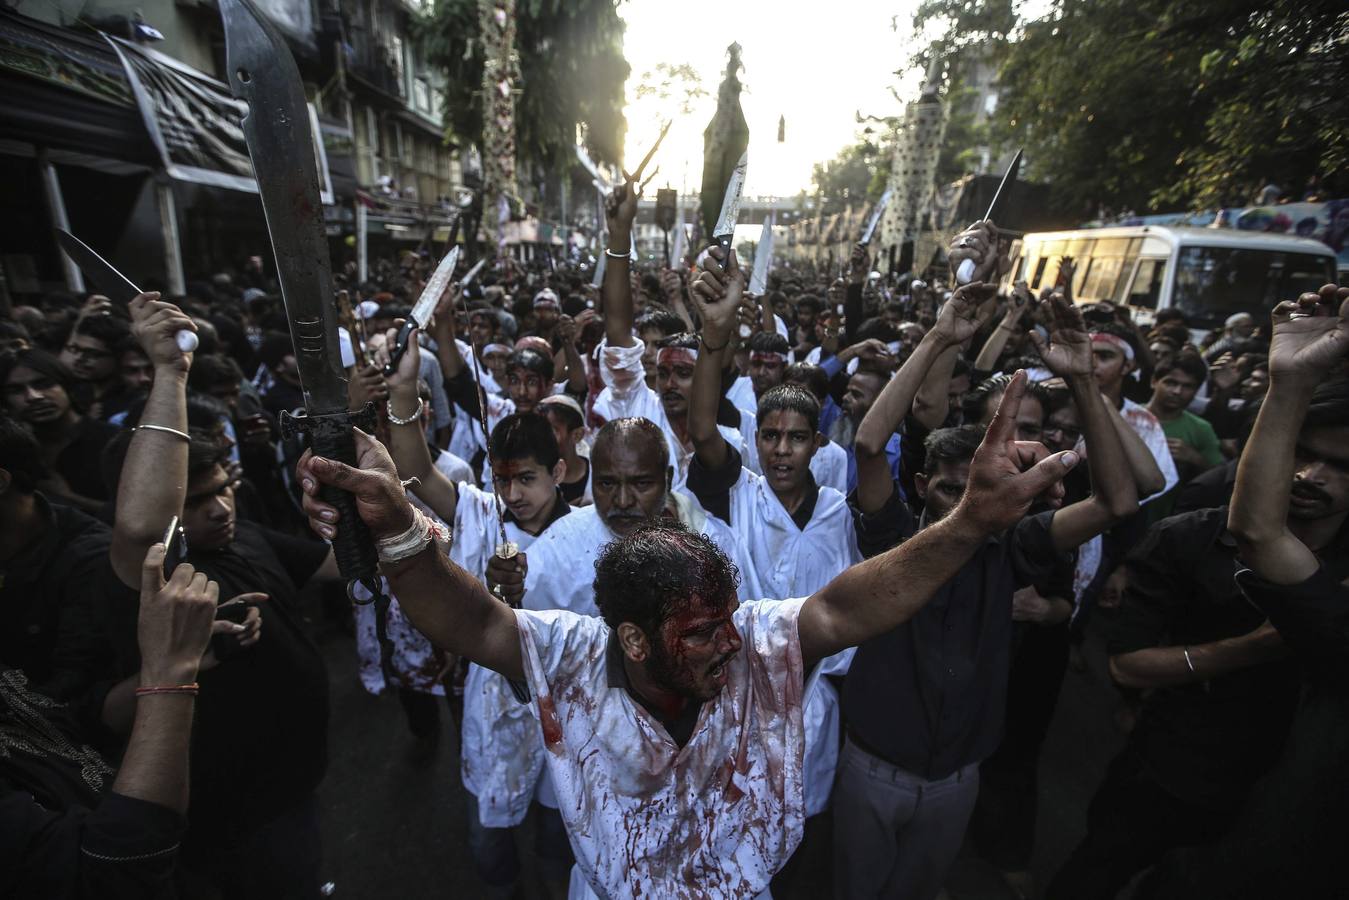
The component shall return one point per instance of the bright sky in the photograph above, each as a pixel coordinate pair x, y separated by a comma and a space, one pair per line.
816, 63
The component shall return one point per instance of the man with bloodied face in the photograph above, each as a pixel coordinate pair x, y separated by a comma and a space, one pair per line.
673, 726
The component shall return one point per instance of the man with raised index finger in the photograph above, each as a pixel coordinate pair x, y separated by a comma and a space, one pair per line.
673, 724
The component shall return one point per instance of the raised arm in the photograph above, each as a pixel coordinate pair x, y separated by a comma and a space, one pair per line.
568, 329
442, 601
407, 443
1148, 476
717, 294
1311, 338
955, 323
620, 208
869, 599
1010, 325
1114, 495
153, 483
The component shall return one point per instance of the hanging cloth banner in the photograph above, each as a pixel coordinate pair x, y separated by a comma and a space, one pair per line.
194, 121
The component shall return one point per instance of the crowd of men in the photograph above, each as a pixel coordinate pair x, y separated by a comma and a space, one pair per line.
688, 569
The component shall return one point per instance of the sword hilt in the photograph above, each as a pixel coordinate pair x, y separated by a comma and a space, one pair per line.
330, 437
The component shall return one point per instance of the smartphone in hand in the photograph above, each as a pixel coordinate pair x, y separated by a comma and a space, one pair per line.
175, 547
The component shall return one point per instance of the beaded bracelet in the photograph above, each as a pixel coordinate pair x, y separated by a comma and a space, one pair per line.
168, 689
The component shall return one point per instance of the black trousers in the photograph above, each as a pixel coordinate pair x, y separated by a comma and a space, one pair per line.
1131, 823
1003, 826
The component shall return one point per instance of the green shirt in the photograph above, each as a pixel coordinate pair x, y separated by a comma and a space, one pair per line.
1199, 434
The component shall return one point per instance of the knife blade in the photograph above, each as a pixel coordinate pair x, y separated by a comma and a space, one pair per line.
966, 269
423, 309
876, 214
111, 282
724, 231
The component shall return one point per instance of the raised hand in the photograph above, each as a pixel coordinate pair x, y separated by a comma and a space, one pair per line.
958, 319
859, 263
1311, 335
1224, 373
381, 501
155, 323
1067, 353
443, 318
979, 244
409, 367
1007, 475
717, 293
174, 624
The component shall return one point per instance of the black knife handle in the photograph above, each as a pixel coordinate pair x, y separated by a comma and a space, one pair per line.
353, 547
400, 346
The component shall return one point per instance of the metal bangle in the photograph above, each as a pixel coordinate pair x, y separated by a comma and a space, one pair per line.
627, 254
167, 430
410, 420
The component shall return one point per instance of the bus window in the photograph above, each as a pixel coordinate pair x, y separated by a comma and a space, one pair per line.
1039, 272
1147, 283
1213, 283
1100, 282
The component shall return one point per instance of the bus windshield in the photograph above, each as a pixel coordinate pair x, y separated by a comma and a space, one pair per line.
1213, 283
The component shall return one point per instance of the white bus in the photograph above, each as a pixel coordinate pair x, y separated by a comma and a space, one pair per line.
1206, 273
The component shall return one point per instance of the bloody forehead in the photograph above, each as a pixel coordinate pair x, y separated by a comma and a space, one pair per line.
767, 357
675, 356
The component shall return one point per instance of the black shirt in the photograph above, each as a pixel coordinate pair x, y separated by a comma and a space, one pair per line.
63, 831
259, 737
712, 487
575, 491
930, 695
37, 588
1205, 743
79, 462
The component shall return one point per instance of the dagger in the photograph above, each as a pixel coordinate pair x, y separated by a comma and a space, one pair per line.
423, 309
116, 286
966, 270
724, 231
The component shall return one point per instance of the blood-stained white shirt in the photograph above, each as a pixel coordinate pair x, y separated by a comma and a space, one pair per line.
795, 562
502, 759
713, 819
626, 395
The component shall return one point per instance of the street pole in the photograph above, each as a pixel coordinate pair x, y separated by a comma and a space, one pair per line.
168, 232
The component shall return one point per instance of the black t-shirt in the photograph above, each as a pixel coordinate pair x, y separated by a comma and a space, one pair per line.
930, 695
1208, 742
573, 491
37, 588
260, 733
79, 462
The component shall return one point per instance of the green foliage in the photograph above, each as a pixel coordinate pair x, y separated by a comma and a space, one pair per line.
1164, 104
572, 73
854, 177
676, 87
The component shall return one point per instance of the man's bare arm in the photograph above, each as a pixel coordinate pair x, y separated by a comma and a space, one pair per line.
871, 598
444, 602
1311, 337
153, 483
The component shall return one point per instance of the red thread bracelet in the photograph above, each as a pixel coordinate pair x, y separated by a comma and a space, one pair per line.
168, 689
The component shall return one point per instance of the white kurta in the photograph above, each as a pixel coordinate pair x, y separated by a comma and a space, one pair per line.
413, 660
741, 393
829, 465
714, 819
793, 562
626, 395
